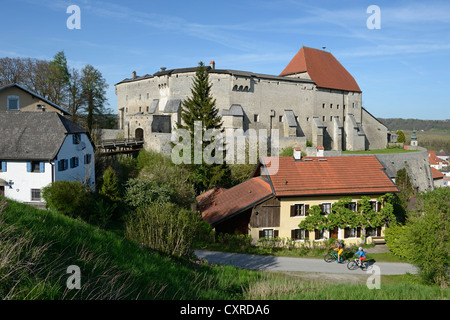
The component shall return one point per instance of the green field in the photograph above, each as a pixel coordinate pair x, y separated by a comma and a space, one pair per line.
37, 246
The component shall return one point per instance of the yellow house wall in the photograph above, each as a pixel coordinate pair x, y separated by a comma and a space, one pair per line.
27, 102
288, 223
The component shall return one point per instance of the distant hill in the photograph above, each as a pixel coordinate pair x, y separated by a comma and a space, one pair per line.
394, 124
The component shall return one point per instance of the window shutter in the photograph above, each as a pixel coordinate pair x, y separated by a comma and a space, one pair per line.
306, 209
378, 234
378, 206
4, 166
275, 233
261, 234
293, 211
42, 166
292, 234
77, 162
28, 166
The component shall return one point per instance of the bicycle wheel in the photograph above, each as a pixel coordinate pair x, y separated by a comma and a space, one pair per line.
352, 265
328, 257
364, 266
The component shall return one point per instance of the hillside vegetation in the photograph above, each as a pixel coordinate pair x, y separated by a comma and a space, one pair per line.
37, 246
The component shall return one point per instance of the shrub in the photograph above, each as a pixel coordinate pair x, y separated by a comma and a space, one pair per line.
70, 198
164, 227
142, 192
395, 236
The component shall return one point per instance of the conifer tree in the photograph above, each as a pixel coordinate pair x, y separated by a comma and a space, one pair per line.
201, 107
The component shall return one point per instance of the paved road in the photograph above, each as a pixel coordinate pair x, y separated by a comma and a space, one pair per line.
271, 263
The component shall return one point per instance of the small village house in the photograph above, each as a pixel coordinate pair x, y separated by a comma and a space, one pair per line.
277, 198
38, 148
14, 97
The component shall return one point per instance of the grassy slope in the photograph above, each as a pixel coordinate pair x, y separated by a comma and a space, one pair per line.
113, 268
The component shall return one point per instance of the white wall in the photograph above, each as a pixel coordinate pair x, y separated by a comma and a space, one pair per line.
69, 150
24, 181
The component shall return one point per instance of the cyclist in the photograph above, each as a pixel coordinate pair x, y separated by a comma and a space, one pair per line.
361, 255
339, 247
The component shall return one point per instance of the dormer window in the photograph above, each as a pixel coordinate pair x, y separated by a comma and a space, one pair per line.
13, 103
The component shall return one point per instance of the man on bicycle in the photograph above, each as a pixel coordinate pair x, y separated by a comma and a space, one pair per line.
361, 255
339, 247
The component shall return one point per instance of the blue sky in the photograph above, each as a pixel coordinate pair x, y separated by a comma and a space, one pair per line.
402, 68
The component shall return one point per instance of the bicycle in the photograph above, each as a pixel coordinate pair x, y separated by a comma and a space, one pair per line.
354, 264
333, 256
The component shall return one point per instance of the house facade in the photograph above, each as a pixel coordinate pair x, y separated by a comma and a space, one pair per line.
39, 148
314, 98
280, 196
14, 97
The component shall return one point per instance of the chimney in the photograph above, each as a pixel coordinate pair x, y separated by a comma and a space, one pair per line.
133, 74
212, 64
297, 154
320, 150
163, 68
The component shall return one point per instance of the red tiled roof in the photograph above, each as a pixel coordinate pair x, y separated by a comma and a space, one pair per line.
436, 174
219, 203
434, 160
323, 68
335, 175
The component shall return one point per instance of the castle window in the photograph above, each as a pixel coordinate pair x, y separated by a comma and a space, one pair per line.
337, 107
148, 95
280, 118
256, 117
331, 106
323, 106
323, 118
331, 118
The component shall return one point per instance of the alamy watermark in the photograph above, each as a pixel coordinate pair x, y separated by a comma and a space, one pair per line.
231, 146
74, 280
374, 21
74, 20
374, 281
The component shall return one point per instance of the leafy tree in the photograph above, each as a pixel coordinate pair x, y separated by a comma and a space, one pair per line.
58, 78
401, 136
427, 234
93, 94
201, 107
110, 185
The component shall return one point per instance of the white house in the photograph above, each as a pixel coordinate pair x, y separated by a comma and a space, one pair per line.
38, 148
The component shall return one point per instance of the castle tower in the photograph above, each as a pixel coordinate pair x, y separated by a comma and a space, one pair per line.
414, 139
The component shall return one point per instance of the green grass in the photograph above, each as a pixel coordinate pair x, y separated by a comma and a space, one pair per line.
37, 246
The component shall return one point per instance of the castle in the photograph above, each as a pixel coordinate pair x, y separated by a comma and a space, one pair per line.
313, 99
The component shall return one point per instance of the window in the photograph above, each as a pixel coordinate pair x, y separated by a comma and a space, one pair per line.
352, 232
319, 234
323, 118
323, 106
280, 118
326, 208
74, 162
268, 233
375, 206
256, 117
373, 232
299, 234
351, 206
299, 209
87, 158
13, 103
63, 164
331, 106
35, 166
76, 138
35, 194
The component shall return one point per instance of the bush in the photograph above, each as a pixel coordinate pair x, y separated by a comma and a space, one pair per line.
164, 227
395, 236
70, 198
143, 192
